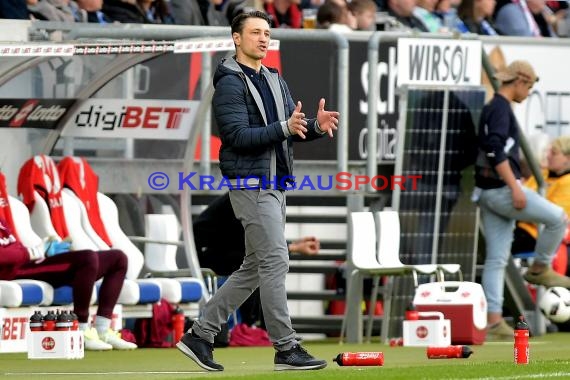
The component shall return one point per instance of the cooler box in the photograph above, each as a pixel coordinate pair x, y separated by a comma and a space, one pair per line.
427, 332
55, 345
463, 303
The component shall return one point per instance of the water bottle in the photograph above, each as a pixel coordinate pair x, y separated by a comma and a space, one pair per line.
49, 321
412, 313
522, 347
74, 321
64, 321
360, 359
449, 352
177, 324
36, 321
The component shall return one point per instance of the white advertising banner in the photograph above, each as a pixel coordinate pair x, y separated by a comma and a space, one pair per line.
423, 61
132, 118
547, 109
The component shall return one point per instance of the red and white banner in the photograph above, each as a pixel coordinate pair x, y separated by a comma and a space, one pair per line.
132, 118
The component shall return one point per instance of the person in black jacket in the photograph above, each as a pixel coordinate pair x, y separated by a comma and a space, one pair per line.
258, 121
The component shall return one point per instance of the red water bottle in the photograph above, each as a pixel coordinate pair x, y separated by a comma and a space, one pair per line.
74, 321
412, 313
64, 321
49, 321
177, 324
449, 352
522, 347
36, 321
360, 359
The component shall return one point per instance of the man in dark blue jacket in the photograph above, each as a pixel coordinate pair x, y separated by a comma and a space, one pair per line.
258, 121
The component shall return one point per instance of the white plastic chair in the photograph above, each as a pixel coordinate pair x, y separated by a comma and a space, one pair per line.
164, 228
388, 224
160, 256
375, 249
110, 217
171, 290
40, 218
80, 218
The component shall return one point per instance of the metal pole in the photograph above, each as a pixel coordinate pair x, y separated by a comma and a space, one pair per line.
372, 117
440, 169
207, 126
353, 322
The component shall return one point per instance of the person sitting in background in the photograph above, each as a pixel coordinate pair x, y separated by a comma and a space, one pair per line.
446, 10
403, 12
559, 10
206, 12
283, 13
513, 18
156, 11
557, 178
125, 11
90, 11
476, 16
365, 13
51, 10
225, 256
335, 16
424, 11
78, 269
543, 16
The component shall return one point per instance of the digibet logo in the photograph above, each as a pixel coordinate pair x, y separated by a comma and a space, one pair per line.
131, 117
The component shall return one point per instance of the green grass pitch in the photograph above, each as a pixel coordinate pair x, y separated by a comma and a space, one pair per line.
550, 358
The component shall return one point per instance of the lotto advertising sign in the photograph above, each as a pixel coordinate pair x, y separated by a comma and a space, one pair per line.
140, 119
32, 113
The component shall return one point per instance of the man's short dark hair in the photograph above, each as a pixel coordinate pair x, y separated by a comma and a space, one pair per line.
239, 20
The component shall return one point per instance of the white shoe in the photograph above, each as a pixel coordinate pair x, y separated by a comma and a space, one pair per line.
93, 342
113, 338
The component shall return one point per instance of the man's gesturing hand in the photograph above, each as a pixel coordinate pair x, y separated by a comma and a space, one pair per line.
328, 120
296, 122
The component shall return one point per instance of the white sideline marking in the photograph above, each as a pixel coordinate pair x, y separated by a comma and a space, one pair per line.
105, 373
525, 376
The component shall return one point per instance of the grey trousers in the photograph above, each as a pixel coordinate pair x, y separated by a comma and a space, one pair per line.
266, 263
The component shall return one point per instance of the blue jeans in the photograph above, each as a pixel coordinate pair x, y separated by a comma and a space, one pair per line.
498, 217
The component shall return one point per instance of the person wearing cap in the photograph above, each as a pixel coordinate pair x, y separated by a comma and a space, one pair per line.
503, 200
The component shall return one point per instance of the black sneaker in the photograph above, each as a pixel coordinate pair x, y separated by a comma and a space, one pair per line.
297, 358
199, 350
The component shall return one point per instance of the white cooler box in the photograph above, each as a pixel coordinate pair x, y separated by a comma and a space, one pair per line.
463, 303
55, 345
427, 332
